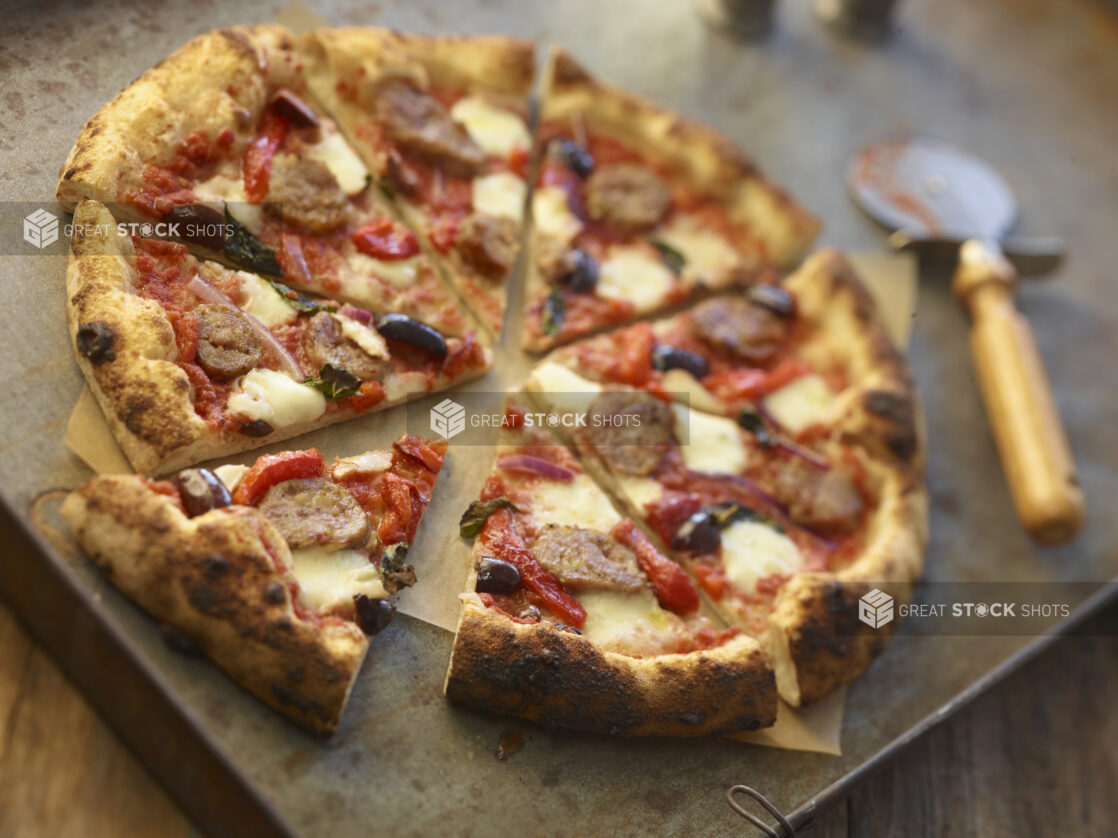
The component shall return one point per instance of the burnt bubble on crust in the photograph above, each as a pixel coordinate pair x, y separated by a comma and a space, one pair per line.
900, 413
95, 341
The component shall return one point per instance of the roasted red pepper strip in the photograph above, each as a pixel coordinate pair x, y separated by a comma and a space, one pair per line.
276, 468
500, 540
751, 384
674, 590
422, 450
386, 240
258, 156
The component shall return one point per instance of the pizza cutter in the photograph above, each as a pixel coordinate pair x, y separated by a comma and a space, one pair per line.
945, 204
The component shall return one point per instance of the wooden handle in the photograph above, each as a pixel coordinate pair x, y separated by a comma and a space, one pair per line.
1027, 429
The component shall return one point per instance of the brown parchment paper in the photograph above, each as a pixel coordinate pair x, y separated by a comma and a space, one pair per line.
442, 557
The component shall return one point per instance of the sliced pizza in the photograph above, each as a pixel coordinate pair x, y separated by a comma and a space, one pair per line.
442, 121
573, 618
191, 360
222, 145
636, 209
787, 511
279, 572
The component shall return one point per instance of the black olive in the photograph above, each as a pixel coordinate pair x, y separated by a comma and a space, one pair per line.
95, 341
373, 615
294, 109
201, 490
772, 297
406, 330
580, 271
753, 422
256, 428
666, 357
495, 576
198, 224
699, 534
577, 159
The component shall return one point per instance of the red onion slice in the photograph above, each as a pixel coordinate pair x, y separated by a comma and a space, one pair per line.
359, 314
297, 262
210, 294
804, 453
535, 465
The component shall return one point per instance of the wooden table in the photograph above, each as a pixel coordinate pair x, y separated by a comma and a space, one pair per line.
1036, 756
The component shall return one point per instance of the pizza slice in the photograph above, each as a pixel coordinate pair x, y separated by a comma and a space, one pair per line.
788, 512
222, 145
442, 121
573, 619
191, 360
279, 572
636, 209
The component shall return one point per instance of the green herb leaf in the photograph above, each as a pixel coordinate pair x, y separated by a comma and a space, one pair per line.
385, 189
296, 300
673, 260
478, 512
753, 422
724, 514
395, 572
246, 250
335, 382
554, 311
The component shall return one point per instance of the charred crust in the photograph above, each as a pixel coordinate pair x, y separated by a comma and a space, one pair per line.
95, 341
898, 411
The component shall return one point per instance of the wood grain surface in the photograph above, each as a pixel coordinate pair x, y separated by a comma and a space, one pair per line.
1036, 756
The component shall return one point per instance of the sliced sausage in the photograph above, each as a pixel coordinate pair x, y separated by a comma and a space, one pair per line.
315, 511
324, 343
489, 244
630, 431
419, 122
228, 346
587, 559
627, 196
815, 498
746, 330
303, 192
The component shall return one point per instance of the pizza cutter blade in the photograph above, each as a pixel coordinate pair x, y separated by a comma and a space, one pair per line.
935, 196
942, 202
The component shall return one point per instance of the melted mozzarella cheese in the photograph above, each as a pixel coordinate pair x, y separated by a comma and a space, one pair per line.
230, 475
567, 390
551, 214
398, 272
804, 402
500, 194
629, 623
640, 491
329, 579
633, 275
681, 383
263, 302
579, 503
751, 551
498, 132
276, 399
707, 254
713, 443
371, 462
334, 153
369, 339
229, 189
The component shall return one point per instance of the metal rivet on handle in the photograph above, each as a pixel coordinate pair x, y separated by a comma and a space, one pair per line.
788, 831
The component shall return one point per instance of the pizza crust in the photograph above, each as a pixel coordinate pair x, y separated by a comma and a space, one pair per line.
217, 81
215, 578
561, 680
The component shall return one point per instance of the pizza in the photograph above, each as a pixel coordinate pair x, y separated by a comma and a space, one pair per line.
442, 122
224, 140
574, 619
280, 572
636, 209
190, 359
791, 508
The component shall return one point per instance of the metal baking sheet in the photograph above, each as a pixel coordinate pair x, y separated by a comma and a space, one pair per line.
1028, 85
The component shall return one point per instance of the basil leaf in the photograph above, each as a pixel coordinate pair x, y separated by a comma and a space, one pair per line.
246, 250
478, 512
335, 382
385, 189
673, 260
554, 311
296, 300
